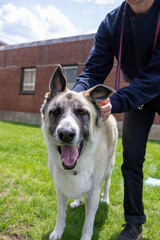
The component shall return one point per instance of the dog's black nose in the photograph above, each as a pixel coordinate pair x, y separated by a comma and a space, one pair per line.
66, 135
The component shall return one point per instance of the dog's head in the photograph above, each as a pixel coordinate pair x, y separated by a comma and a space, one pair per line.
69, 118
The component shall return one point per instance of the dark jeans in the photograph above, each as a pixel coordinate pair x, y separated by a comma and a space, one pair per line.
136, 127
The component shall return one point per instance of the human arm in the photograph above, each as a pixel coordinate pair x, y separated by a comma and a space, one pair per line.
143, 89
100, 60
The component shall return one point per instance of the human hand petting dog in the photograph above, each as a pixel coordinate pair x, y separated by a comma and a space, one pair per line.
106, 107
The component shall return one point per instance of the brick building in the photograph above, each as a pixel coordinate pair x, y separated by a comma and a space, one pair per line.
25, 71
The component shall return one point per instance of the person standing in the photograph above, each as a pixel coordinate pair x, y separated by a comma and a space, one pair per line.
131, 34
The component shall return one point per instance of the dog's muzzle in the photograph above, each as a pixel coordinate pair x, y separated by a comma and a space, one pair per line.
69, 141
70, 154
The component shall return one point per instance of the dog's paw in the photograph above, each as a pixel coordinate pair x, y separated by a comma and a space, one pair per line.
76, 203
54, 236
104, 199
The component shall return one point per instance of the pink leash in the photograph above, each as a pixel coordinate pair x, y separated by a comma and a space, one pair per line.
157, 32
120, 51
120, 46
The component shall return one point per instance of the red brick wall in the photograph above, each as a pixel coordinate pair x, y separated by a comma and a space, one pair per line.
44, 58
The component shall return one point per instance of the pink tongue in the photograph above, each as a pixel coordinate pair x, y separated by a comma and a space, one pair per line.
69, 155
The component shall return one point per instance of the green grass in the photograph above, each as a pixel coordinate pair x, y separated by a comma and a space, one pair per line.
28, 207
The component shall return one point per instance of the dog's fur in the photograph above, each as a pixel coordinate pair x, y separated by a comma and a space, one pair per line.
81, 148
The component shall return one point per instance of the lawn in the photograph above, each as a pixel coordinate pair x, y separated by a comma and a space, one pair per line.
27, 194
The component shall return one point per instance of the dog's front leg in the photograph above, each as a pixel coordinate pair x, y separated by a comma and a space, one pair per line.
91, 205
60, 223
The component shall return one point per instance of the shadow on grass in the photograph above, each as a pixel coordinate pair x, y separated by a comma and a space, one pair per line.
75, 220
94, 237
115, 236
46, 236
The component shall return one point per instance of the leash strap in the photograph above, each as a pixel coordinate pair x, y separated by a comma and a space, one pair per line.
120, 51
157, 32
117, 82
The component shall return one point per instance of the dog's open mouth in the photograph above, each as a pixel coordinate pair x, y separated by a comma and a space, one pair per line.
70, 154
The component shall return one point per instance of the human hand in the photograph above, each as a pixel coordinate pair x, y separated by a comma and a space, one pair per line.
106, 107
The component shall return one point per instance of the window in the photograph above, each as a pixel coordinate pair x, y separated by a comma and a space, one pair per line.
28, 81
70, 73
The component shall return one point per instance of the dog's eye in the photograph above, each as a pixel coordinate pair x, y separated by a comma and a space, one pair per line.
81, 112
55, 112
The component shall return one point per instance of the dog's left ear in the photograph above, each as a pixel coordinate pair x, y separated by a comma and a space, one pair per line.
58, 81
97, 94
100, 92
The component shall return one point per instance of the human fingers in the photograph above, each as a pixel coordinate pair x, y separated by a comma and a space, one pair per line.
106, 109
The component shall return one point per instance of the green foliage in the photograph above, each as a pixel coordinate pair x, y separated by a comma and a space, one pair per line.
28, 207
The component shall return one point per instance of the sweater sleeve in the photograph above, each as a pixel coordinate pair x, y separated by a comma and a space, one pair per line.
143, 89
100, 61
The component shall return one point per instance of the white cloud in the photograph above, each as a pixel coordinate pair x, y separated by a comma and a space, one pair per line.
55, 23
22, 25
19, 24
79, 1
104, 1
98, 2
92, 31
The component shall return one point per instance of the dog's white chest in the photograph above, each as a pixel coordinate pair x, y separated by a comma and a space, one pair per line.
73, 184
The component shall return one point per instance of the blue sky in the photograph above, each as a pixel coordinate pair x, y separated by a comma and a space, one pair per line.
35, 20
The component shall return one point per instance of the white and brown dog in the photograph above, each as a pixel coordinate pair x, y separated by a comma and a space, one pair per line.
81, 148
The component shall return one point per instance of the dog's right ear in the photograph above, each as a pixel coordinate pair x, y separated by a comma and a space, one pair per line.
58, 81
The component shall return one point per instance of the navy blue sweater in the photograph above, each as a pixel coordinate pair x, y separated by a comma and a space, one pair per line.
140, 67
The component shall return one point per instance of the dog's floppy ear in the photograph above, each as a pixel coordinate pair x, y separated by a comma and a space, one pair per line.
97, 94
58, 81
100, 92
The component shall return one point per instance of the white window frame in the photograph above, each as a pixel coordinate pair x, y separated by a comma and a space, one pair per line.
70, 84
29, 79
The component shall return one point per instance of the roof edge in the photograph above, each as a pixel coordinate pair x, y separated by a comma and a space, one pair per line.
50, 41
3, 43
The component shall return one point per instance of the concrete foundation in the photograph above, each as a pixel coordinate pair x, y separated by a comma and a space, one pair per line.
32, 118
154, 132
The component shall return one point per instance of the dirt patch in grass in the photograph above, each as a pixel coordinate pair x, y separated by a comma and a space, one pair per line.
11, 237
3, 193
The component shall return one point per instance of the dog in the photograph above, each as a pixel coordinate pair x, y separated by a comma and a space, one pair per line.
81, 148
